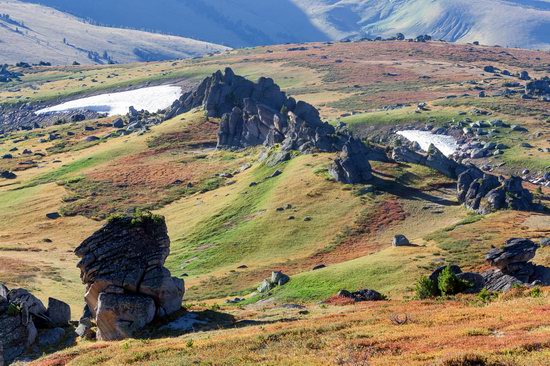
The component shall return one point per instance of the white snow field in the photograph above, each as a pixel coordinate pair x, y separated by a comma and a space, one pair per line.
150, 99
446, 144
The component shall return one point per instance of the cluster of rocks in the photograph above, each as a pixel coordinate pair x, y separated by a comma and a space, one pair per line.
485, 193
352, 165
277, 278
260, 113
23, 117
511, 267
26, 325
127, 285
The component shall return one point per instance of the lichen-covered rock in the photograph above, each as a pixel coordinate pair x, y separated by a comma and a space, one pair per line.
126, 257
352, 165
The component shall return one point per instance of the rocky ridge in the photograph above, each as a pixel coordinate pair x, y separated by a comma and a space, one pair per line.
260, 113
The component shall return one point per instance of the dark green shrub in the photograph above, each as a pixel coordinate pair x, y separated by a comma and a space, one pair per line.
426, 288
449, 284
486, 296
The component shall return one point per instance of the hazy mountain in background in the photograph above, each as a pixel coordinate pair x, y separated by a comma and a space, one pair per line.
237, 23
33, 33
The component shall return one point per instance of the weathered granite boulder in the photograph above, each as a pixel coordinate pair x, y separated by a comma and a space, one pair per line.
352, 165
538, 87
513, 266
513, 252
362, 295
124, 258
495, 280
24, 299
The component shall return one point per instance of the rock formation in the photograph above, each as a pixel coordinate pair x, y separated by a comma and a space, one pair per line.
24, 320
485, 193
261, 114
127, 285
361, 295
277, 278
512, 267
352, 165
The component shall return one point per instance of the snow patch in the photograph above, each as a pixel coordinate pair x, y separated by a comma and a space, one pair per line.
150, 99
446, 144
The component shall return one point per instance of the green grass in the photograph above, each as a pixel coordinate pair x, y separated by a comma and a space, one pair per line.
389, 272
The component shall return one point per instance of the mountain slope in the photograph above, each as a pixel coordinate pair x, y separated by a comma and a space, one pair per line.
514, 23
31, 33
237, 23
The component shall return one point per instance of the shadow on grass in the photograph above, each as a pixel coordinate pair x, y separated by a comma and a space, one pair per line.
397, 189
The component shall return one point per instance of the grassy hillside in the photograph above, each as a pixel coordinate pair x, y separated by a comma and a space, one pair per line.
227, 234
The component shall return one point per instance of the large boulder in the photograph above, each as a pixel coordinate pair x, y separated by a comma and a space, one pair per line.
126, 257
25, 300
513, 252
352, 165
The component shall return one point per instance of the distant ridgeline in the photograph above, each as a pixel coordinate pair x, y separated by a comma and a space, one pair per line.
260, 113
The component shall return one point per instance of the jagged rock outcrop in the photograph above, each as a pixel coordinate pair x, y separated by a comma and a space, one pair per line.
24, 320
258, 113
261, 114
485, 193
127, 285
352, 165
434, 159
